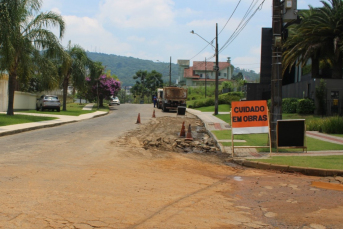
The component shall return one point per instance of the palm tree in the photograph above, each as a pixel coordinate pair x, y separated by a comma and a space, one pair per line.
23, 33
73, 68
318, 37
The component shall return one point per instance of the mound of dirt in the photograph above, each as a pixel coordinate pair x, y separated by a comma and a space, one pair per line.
163, 134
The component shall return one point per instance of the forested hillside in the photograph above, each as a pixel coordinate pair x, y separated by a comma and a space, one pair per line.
249, 75
126, 67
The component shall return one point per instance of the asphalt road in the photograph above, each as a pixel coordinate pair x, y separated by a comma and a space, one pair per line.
86, 175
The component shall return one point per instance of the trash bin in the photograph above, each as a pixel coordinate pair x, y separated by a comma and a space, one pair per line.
181, 110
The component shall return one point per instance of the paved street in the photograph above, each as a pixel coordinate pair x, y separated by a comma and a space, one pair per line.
96, 174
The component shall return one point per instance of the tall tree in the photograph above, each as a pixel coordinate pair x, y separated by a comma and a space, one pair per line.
153, 81
73, 68
319, 36
23, 33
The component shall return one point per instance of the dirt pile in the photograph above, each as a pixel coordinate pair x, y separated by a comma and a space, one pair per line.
163, 133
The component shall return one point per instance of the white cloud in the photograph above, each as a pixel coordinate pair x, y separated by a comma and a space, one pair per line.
136, 39
251, 61
90, 34
137, 13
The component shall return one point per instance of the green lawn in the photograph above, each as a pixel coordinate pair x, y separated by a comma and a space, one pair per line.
221, 108
337, 135
6, 120
322, 162
262, 140
73, 109
225, 117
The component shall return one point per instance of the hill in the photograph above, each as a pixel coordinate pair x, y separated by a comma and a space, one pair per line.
126, 67
249, 75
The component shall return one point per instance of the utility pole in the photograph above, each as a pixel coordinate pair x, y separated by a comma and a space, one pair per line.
170, 72
205, 77
217, 69
276, 81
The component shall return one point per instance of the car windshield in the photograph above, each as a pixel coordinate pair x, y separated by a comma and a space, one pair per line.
52, 98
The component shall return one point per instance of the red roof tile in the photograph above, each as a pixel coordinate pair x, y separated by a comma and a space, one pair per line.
200, 65
189, 73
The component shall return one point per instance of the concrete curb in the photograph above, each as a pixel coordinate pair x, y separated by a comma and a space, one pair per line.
46, 126
34, 128
219, 146
286, 168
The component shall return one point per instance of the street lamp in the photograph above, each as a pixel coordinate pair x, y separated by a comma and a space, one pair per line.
216, 68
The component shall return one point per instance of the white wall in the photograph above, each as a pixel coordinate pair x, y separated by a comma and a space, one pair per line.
3, 93
24, 101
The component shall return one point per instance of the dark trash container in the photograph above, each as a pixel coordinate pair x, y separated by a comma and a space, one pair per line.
181, 110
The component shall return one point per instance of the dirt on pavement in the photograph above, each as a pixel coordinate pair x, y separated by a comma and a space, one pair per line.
150, 178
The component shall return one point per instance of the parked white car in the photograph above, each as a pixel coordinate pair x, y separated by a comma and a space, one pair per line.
115, 101
49, 102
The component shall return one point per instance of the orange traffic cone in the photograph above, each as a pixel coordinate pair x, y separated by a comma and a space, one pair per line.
153, 114
182, 132
138, 119
189, 134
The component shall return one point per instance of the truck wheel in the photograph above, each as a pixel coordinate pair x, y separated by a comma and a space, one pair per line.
164, 109
37, 108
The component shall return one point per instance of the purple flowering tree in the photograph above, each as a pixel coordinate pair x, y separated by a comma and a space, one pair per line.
105, 86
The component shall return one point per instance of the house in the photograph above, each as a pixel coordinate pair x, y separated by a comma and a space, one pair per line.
202, 72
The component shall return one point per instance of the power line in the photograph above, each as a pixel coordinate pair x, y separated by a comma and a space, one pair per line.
220, 30
236, 33
230, 17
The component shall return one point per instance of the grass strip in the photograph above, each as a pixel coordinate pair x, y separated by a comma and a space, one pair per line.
221, 108
322, 162
6, 120
73, 109
262, 140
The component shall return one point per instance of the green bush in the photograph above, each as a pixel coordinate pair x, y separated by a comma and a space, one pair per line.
314, 125
305, 106
209, 102
227, 98
198, 104
237, 93
289, 105
331, 125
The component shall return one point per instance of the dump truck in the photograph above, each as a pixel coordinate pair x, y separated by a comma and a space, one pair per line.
171, 98
159, 97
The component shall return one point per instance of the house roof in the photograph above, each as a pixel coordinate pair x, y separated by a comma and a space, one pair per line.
200, 65
188, 73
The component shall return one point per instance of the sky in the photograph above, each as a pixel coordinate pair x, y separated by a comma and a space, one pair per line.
159, 29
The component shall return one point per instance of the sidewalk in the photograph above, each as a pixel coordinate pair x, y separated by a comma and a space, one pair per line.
61, 119
213, 123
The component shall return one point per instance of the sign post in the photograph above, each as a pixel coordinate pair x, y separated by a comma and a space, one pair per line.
249, 117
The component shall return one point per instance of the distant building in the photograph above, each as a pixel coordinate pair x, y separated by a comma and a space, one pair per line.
200, 72
294, 83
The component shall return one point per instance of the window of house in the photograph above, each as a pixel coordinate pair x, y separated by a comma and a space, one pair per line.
200, 75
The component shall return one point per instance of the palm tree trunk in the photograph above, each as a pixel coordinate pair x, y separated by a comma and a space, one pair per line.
11, 87
65, 92
315, 67
337, 68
